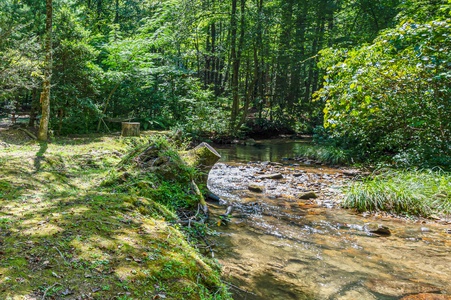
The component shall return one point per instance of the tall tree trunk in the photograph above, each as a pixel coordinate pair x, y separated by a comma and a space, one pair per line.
45, 95
235, 65
116, 15
284, 55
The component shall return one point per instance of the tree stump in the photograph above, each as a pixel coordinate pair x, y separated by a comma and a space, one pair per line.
130, 128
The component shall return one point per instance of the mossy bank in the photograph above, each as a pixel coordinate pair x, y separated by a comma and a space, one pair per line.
78, 221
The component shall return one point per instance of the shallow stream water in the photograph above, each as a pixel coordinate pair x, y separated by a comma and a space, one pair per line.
277, 246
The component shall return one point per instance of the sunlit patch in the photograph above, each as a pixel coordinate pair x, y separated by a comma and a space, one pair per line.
79, 210
130, 238
107, 244
3, 275
62, 225
42, 228
89, 250
130, 272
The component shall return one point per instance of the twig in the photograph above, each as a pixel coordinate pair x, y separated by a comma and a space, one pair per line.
198, 209
61, 254
49, 288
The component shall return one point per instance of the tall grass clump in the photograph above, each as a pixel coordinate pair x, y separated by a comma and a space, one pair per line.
324, 154
407, 192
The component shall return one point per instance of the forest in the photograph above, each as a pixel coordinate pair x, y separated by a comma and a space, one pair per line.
370, 76
353, 98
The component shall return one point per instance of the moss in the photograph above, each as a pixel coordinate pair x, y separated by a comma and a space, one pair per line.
63, 231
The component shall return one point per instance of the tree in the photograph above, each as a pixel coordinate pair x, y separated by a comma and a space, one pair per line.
46, 86
392, 97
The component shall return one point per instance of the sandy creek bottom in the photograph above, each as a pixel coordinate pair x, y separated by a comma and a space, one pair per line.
279, 247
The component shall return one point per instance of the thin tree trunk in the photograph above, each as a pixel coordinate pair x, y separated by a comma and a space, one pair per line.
236, 67
45, 95
106, 104
34, 107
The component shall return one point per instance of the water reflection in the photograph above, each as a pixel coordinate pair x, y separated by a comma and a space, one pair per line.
272, 150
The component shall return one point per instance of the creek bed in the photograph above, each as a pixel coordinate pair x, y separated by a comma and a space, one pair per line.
277, 246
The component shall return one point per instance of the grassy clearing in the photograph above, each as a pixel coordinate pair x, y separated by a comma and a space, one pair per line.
408, 192
324, 154
71, 229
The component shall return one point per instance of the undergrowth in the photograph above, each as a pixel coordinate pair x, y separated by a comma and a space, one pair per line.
407, 192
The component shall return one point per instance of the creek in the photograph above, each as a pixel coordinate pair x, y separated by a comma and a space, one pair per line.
277, 246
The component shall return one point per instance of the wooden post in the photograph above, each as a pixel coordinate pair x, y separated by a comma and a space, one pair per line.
130, 128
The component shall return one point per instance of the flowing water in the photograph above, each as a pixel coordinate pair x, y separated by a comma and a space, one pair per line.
277, 246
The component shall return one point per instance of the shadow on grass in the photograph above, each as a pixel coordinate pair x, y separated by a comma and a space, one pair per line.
60, 241
40, 155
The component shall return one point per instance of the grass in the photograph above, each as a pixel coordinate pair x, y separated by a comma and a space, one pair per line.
324, 154
65, 234
407, 192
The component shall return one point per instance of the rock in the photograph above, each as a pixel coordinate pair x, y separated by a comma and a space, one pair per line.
379, 230
202, 157
250, 142
213, 197
308, 195
351, 173
255, 188
299, 174
271, 176
398, 288
427, 296
425, 229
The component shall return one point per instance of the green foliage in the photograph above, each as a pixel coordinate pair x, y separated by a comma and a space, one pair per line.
75, 75
153, 169
409, 192
169, 64
393, 96
20, 52
204, 115
265, 128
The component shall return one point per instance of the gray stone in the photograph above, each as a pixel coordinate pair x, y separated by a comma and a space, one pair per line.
272, 176
298, 174
308, 195
255, 188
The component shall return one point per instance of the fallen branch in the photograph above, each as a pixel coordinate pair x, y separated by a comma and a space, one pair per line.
28, 133
49, 288
229, 210
202, 202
